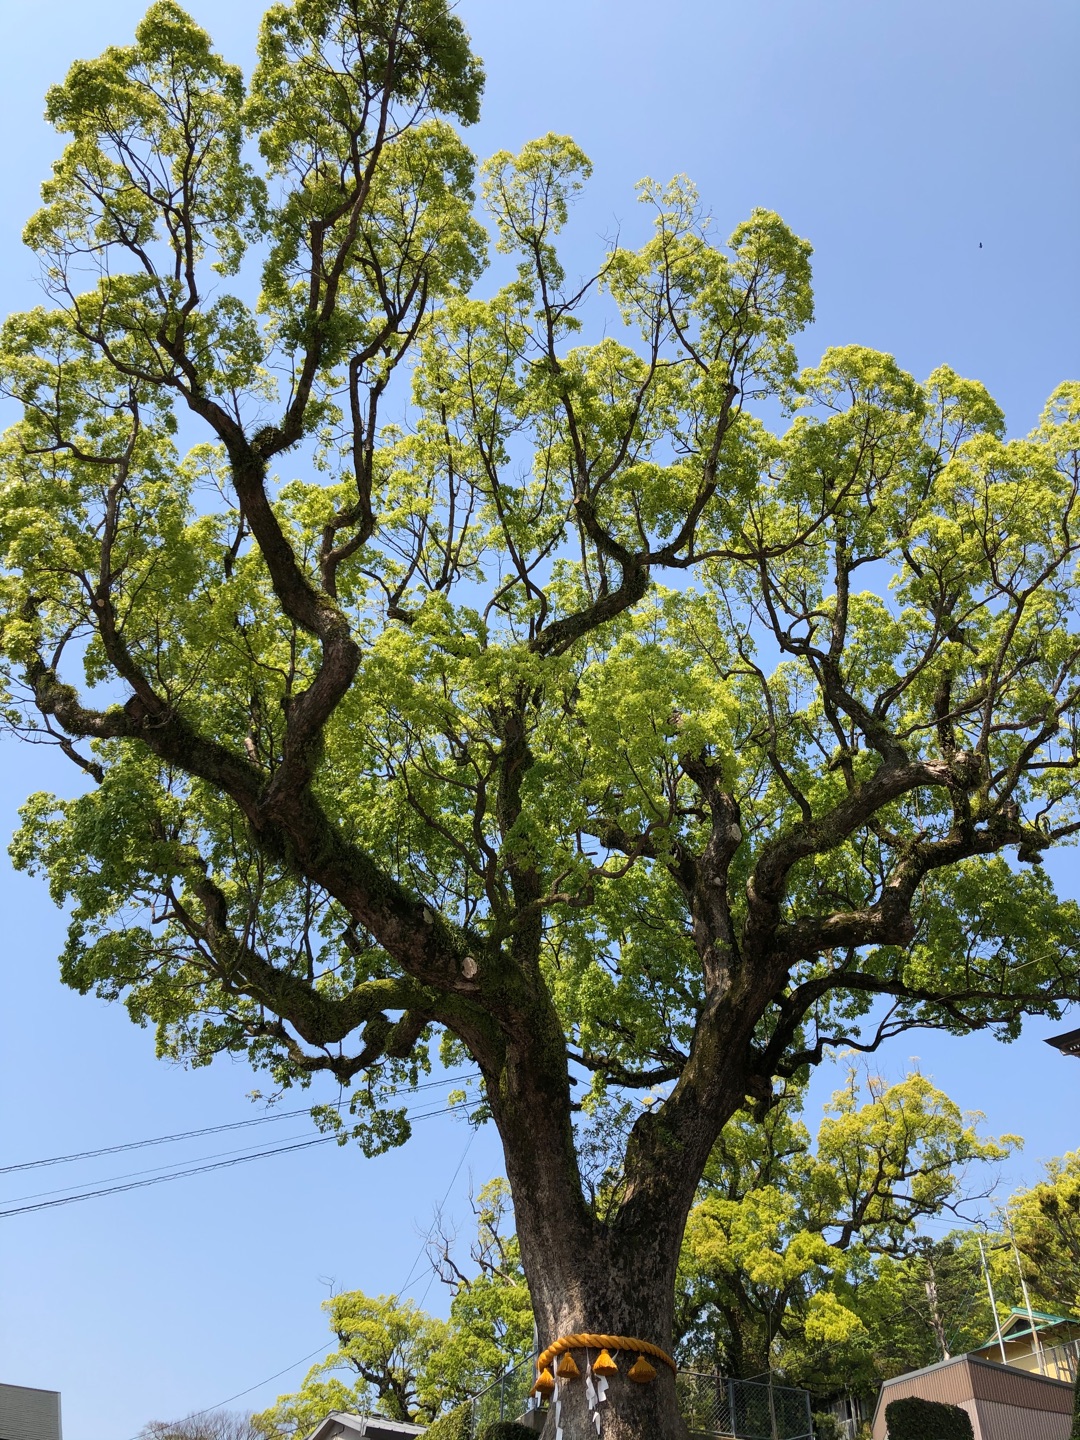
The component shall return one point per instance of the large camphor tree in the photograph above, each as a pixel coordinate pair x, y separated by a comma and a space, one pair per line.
479, 664
806, 1260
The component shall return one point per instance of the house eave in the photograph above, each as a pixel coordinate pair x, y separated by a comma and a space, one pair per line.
1068, 1044
339, 1422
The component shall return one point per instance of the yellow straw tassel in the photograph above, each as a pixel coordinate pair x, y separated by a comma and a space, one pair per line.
567, 1368
641, 1372
545, 1383
604, 1365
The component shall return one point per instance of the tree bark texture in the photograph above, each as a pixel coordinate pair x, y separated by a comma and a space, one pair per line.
620, 1293
586, 1274
628, 1412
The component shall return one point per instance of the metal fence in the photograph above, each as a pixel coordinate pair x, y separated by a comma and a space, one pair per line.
711, 1405
1061, 1362
850, 1412
505, 1399
743, 1409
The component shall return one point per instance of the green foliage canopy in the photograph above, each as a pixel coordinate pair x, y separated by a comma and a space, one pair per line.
389, 1351
482, 665
784, 1230
453, 1426
1045, 1222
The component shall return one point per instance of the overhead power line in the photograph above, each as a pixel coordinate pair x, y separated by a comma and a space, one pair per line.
321, 1350
211, 1129
150, 1170
403, 1289
160, 1179
200, 1169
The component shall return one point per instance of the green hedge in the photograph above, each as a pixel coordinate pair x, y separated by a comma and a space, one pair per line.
506, 1430
454, 1426
915, 1419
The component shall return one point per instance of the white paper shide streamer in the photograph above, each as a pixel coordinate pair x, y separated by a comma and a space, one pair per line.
596, 1387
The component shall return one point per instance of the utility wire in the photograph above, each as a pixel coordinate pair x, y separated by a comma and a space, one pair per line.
427, 1238
150, 1170
210, 1129
203, 1168
321, 1350
160, 1179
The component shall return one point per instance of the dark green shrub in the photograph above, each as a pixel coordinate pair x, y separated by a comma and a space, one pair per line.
454, 1426
506, 1430
915, 1419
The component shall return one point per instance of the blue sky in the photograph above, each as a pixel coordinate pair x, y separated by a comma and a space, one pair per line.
896, 137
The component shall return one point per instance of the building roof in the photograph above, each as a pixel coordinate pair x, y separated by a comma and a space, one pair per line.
1068, 1044
374, 1427
1018, 1325
967, 1380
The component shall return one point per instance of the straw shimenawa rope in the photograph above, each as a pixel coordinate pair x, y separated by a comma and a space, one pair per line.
587, 1341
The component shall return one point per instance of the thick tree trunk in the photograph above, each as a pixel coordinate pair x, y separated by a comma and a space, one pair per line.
628, 1412
615, 1275
613, 1300
607, 1286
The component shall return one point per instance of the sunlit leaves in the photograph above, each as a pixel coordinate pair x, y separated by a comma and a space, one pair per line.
784, 1228
1045, 1223
156, 155
571, 619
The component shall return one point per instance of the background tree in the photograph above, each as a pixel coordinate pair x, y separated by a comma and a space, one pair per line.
923, 1307
935, 1300
1046, 1225
391, 1353
209, 1425
491, 1315
786, 1228
347, 599
408, 1365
